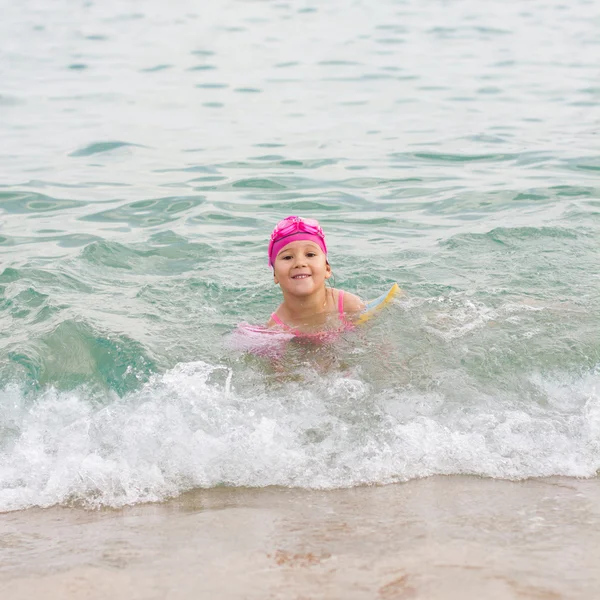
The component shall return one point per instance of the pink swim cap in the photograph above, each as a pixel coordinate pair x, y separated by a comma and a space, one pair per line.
293, 229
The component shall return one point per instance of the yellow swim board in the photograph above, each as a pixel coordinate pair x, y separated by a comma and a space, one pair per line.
374, 306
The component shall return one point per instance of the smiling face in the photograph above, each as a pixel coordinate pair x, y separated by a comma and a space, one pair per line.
301, 268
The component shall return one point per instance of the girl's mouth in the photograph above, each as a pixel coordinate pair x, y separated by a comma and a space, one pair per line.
302, 276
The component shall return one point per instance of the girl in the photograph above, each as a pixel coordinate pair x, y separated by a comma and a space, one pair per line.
298, 256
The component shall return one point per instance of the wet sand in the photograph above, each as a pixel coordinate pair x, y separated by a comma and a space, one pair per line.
442, 537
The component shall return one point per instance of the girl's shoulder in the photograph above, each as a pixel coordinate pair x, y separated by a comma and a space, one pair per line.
352, 303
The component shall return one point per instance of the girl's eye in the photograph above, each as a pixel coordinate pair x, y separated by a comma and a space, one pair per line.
311, 254
287, 257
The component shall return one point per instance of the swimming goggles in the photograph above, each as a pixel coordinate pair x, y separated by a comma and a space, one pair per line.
291, 225
299, 228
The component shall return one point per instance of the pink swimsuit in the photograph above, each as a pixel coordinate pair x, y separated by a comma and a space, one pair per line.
322, 336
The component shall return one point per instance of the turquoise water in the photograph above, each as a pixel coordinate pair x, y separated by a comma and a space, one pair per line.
149, 148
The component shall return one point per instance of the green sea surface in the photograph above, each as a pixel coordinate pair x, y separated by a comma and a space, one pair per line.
147, 151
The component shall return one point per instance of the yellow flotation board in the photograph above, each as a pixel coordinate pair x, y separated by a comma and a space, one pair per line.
374, 306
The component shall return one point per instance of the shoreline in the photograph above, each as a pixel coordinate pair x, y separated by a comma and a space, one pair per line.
440, 537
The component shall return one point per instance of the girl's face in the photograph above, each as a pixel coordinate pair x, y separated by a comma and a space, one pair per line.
301, 268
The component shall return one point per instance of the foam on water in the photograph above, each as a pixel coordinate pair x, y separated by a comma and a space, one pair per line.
200, 425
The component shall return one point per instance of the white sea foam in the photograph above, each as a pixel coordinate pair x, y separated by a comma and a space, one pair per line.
186, 429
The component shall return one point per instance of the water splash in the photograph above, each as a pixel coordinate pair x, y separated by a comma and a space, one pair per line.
202, 425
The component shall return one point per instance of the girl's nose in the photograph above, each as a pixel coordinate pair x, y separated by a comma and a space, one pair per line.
300, 262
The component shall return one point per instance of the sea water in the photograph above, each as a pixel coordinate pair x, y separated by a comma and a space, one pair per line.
147, 150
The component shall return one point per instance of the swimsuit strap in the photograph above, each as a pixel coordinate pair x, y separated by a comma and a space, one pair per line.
286, 327
341, 304
341, 308
277, 320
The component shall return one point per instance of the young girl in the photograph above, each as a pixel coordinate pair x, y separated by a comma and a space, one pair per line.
298, 256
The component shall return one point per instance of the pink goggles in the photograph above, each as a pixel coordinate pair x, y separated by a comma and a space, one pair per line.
298, 227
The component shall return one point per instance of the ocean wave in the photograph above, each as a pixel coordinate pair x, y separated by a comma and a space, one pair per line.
202, 425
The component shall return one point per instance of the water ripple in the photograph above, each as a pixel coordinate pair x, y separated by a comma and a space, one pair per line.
147, 213
99, 147
31, 202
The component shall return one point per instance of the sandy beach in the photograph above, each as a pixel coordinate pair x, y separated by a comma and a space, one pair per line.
442, 537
